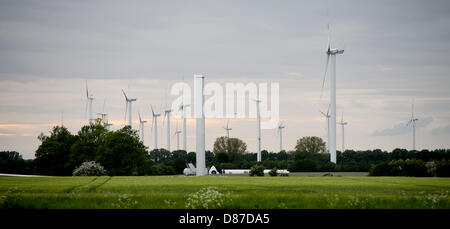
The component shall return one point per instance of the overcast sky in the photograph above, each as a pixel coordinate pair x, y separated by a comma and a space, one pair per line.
395, 52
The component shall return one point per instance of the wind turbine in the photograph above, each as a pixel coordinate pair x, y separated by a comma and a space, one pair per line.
332, 53
413, 120
199, 98
183, 109
167, 114
342, 123
227, 129
141, 127
177, 133
280, 132
89, 98
155, 125
128, 109
327, 116
258, 115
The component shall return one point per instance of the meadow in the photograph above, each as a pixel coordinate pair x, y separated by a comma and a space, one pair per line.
229, 192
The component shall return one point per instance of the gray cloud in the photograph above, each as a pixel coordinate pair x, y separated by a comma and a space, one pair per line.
402, 128
441, 130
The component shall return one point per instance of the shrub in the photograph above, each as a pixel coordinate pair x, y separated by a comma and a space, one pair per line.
257, 170
380, 169
415, 168
90, 168
179, 165
273, 172
162, 169
443, 168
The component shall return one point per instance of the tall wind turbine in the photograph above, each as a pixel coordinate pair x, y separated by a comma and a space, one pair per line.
89, 98
155, 126
327, 116
413, 120
342, 123
167, 114
280, 132
128, 109
177, 133
258, 115
141, 127
332, 53
199, 97
227, 129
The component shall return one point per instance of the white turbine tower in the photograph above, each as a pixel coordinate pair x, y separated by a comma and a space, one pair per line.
342, 123
200, 125
413, 120
183, 109
280, 132
89, 98
227, 129
327, 116
332, 53
177, 133
141, 127
155, 126
128, 109
167, 114
258, 115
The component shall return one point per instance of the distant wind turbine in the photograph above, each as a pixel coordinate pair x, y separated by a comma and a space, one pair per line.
327, 116
227, 129
167, 114
280, 132
155, 127
183, 109
128, 109
258, 115
141, 126
177, 133
342, 123
413, 120
89, 98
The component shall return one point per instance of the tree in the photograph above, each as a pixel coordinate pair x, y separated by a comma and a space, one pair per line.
179, 165
53, 153
233, 147
311, 145
123, 154
11, 162
85, 147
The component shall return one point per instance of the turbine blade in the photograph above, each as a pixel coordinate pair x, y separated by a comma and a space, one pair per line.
324, 75
140, 120
153, 113
328, 111
125, 95
87, 91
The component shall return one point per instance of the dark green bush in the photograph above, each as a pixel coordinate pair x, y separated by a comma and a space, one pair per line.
162, 169
257, 170
443, 168
273, 172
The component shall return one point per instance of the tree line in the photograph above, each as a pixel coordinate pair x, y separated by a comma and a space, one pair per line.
122, 153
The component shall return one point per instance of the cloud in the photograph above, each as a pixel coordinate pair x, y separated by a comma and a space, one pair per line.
402, 128
441, 130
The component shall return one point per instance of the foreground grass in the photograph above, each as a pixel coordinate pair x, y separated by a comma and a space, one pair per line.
165, 192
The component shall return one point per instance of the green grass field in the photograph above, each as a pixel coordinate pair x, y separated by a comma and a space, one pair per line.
231, 192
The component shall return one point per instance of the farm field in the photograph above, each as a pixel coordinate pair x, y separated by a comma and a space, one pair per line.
230, 192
